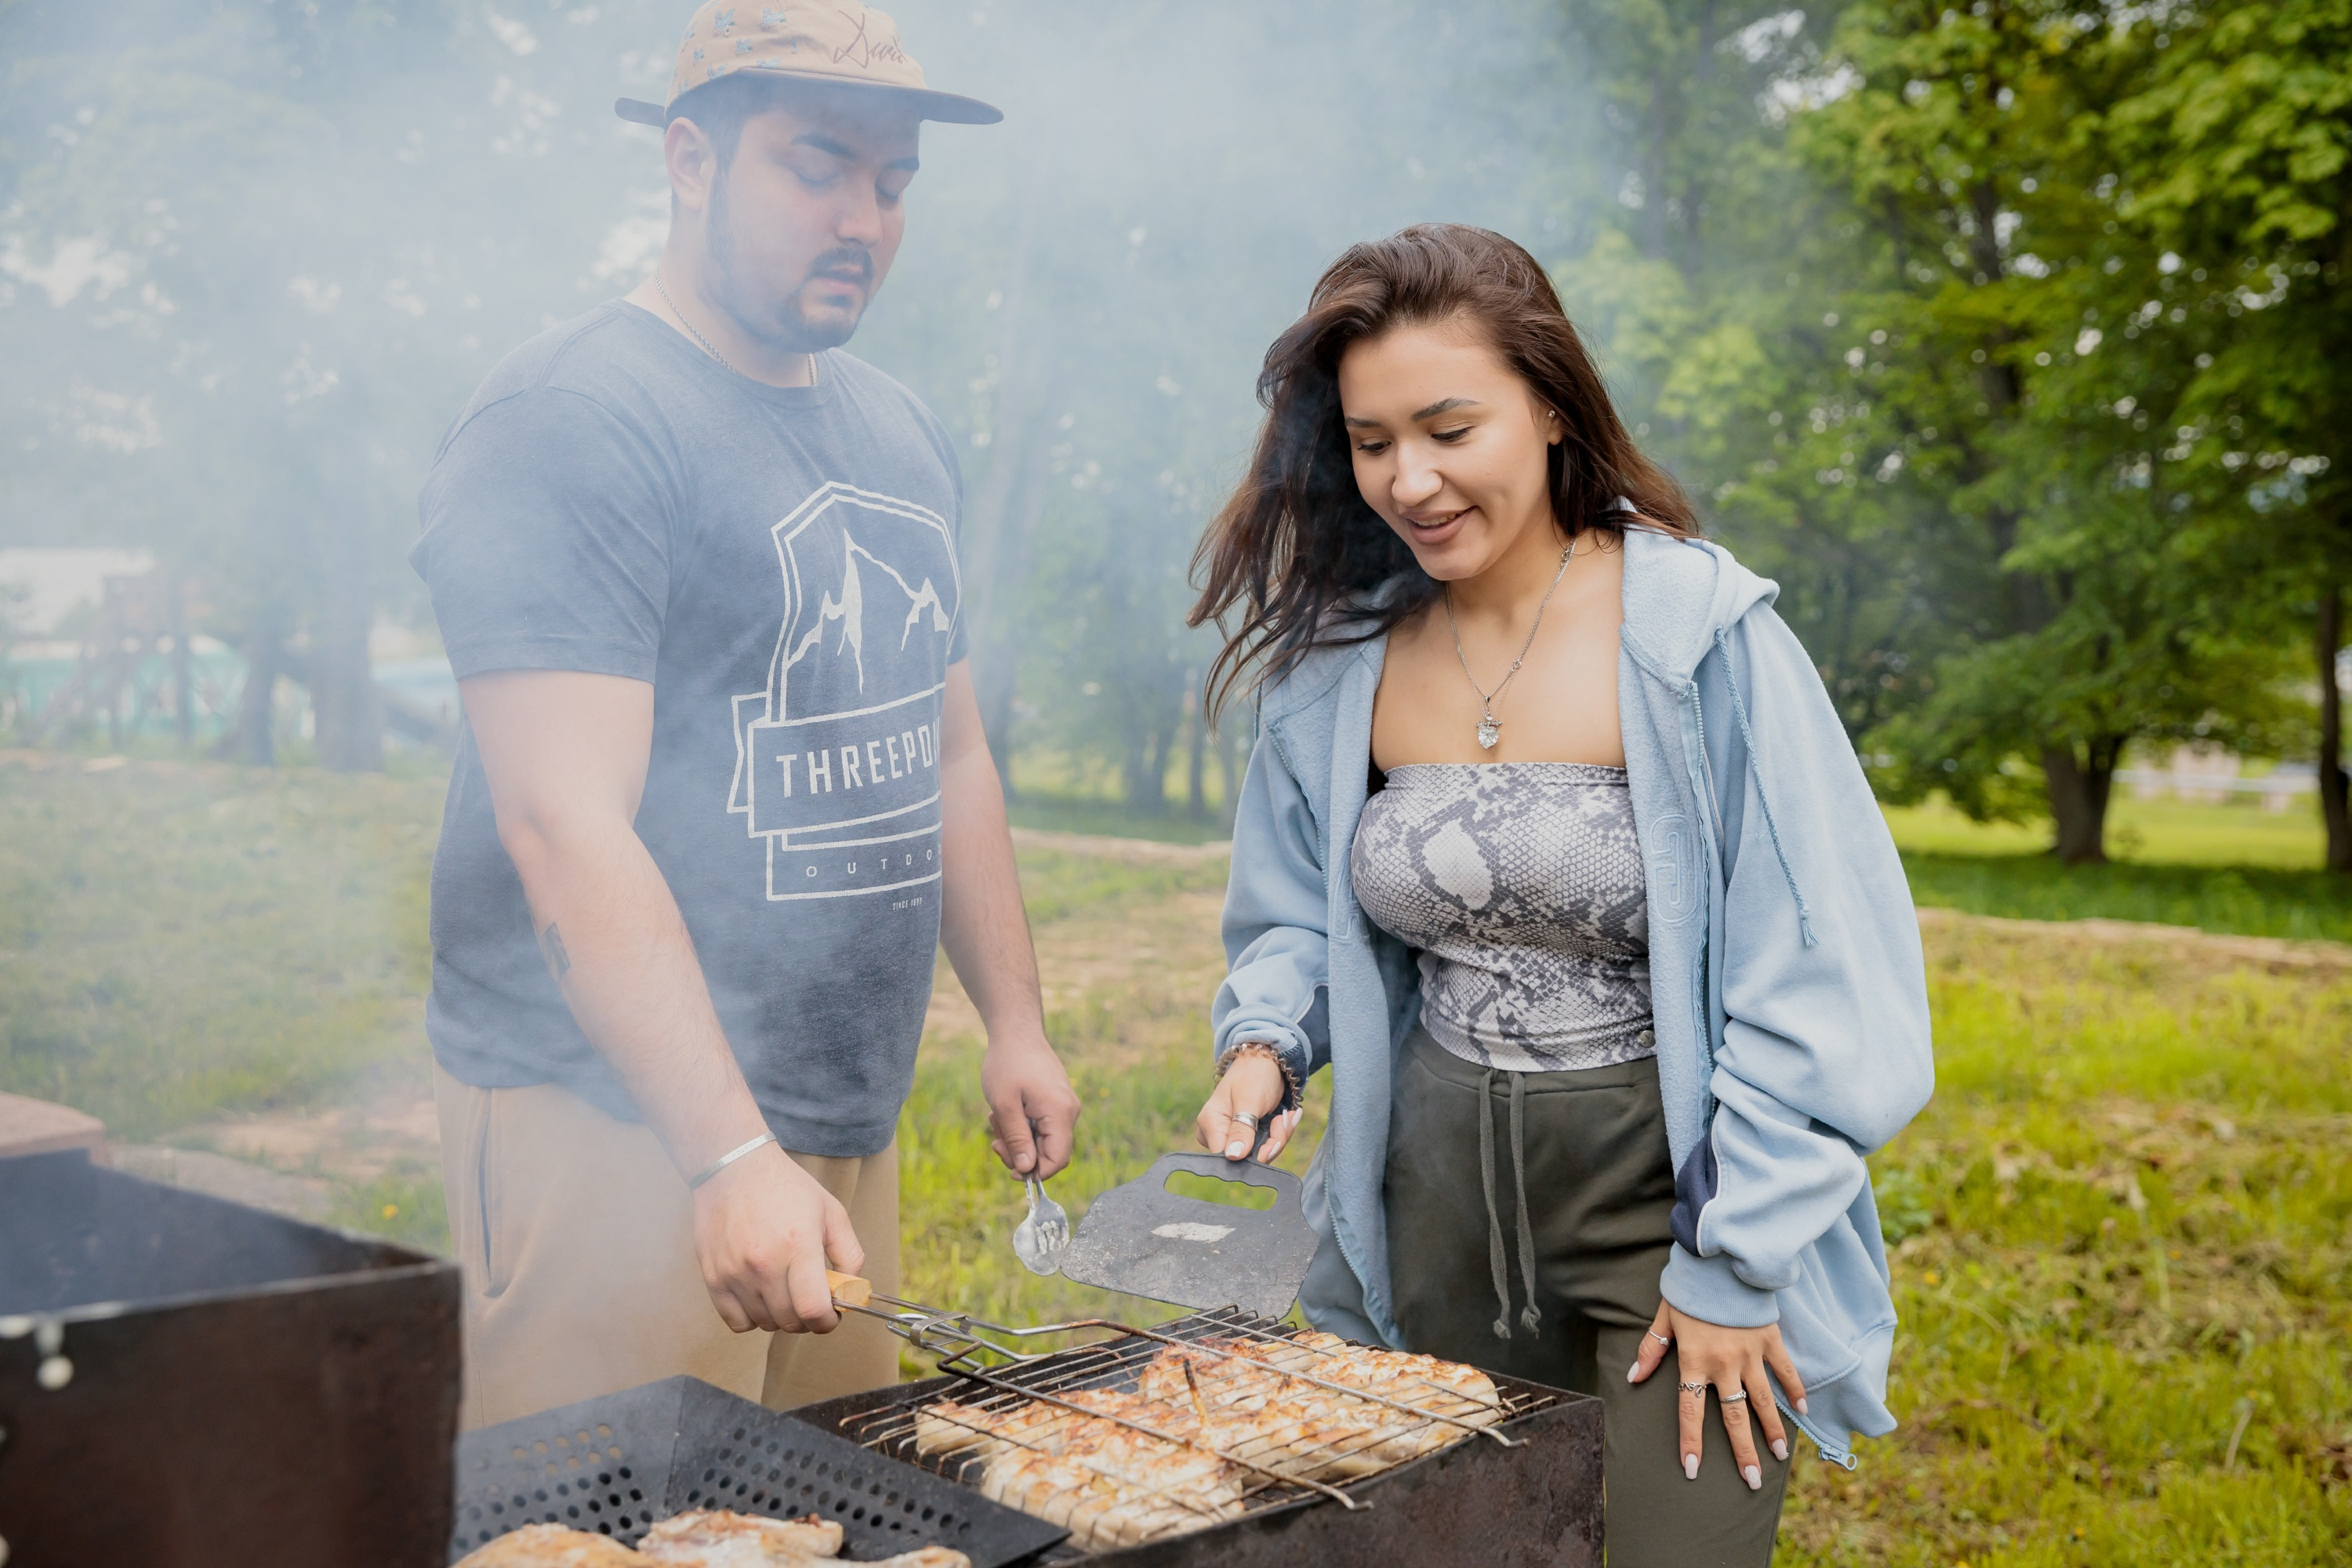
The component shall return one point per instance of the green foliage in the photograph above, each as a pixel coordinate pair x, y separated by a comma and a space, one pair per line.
1958, 357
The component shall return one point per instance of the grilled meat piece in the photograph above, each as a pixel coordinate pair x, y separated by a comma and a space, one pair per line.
717, 1539
552, 1546
1228, 1425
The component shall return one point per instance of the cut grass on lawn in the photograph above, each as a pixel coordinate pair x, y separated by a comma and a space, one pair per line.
2122, 1233
2120, 1243
180, 938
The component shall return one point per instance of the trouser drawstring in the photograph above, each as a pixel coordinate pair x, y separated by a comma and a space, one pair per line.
1532, 1318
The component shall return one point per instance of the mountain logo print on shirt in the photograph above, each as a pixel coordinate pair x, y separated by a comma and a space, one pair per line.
837, 761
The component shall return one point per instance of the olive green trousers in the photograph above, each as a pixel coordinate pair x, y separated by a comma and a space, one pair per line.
1589, 1153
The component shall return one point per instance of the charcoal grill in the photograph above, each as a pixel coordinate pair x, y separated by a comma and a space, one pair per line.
190, 1381
617, 1464
1523, 1491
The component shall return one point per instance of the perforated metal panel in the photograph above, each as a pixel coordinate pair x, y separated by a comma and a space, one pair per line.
618, 1464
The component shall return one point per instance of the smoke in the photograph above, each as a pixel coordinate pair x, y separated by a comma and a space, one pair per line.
253, 256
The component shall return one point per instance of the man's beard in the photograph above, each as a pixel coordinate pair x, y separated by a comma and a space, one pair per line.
779, 325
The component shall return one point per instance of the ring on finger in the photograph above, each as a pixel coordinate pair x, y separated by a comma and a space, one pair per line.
1692, 1387
1738, 1396
1662, 1338
1245, 1118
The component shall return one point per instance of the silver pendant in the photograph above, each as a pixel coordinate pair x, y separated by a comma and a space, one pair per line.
1490, 731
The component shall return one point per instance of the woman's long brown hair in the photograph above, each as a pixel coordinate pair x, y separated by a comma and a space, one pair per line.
1296, 550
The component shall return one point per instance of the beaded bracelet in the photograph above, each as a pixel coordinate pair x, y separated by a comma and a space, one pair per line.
1292, 1091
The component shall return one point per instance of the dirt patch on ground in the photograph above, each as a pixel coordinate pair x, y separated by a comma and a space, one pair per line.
2205, 949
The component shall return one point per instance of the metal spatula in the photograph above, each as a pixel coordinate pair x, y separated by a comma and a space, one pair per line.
1145, 1240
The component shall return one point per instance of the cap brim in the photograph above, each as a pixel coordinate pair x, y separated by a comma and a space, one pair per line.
949, 107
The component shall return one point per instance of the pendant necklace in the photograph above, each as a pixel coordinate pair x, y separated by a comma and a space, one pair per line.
1490, 729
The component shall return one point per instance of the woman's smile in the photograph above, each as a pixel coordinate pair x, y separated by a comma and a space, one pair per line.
1431, 529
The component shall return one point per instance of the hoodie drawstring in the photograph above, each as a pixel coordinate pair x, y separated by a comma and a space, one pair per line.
1532, 1318
1747, 735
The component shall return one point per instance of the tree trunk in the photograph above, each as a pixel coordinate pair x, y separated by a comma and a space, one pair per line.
1147, 795
2078, 799
342, 683
184, 673
2335, 809
995, 534
1196, 761
251, 740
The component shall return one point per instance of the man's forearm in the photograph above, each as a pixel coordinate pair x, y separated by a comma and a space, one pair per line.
983, 924
610, 933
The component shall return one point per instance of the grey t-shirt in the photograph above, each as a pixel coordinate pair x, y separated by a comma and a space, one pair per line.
780, 564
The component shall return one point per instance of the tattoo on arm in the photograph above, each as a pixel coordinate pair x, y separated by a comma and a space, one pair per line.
550, 943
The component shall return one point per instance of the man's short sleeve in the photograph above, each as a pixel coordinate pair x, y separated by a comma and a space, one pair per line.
958, 642
548, 522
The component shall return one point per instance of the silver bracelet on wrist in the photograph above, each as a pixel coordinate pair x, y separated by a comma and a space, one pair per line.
726, 1159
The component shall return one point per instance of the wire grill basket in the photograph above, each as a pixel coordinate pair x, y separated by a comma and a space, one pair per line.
617, 1464
991, 1380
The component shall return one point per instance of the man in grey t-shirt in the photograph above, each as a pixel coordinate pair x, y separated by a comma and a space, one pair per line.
723, 790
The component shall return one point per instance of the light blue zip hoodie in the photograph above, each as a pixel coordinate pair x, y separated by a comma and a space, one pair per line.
1787, 985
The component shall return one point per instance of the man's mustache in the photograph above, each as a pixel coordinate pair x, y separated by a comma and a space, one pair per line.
848, 265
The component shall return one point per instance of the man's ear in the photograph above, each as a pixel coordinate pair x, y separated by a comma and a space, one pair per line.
693, 164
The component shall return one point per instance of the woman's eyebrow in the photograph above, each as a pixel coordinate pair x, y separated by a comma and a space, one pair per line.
1442, 405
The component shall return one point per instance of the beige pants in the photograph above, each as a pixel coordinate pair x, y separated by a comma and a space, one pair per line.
576, 1238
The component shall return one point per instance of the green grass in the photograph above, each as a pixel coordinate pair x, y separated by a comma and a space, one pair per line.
175, 939
2125, 1286
2244, 900
1055, 885
2156, 831
1111, 818
2235, 869
2123, 1230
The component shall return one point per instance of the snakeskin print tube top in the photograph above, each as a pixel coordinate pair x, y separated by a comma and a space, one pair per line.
1521, 885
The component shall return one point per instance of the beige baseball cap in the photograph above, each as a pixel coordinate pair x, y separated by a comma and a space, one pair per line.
838, 41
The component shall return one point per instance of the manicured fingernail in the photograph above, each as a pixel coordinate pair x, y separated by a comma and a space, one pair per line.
1690, 1467
1236, 1148
1755, 1478
1800, 1407
1633, 1373
1780, 1450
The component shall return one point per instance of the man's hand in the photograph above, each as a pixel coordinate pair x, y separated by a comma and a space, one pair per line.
763, 1231
1032, 1109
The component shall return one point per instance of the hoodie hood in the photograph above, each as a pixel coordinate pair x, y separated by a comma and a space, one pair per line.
1680, 594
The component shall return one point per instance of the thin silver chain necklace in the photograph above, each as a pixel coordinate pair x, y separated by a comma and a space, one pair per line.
1490, 729
714, 353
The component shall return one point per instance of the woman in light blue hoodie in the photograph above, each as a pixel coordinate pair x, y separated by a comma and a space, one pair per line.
1553, 851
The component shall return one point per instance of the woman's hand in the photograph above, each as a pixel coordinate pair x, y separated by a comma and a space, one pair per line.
1254, 1085
1729, 1361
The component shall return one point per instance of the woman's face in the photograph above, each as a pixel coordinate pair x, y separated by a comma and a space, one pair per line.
1449, 446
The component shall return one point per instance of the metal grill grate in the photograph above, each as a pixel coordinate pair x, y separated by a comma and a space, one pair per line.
1390, 1429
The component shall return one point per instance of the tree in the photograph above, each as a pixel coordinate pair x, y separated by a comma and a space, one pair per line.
2235, 149
255, 256
2080, 600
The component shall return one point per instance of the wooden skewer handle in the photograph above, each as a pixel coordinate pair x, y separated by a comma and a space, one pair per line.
850, 1290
